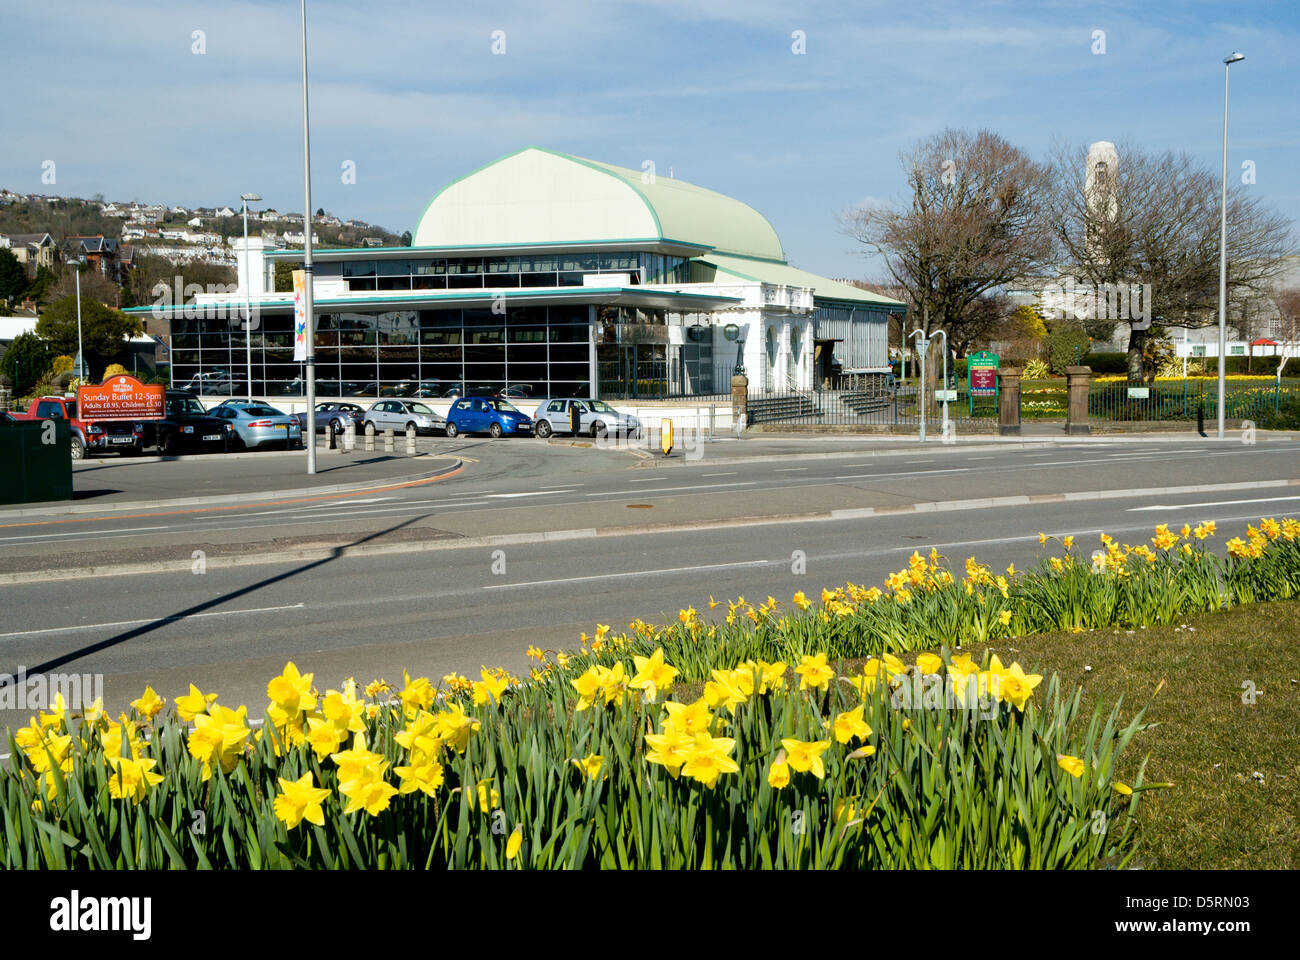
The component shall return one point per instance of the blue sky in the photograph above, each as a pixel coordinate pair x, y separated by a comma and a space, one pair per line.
412, 94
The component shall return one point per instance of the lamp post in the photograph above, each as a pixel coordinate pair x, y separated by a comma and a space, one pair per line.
921, 346
944, 429
1228, 61
310, 360
81, 356
248, 198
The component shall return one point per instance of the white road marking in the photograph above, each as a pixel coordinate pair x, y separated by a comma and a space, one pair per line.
132, 623
790, 470
918, 461
535, 493
1212, 503
634, 573
902, 473
696, 486
731, 474
646, 479
51, 536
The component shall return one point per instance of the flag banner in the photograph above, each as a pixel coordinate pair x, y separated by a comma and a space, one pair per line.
299, 315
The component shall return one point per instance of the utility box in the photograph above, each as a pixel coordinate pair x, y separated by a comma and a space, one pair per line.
37, 458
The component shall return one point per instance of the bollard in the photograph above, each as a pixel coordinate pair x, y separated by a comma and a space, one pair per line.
410, 440
331, 442
388, 440
350, 436
370, 435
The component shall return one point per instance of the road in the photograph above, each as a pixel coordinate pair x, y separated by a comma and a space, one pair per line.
627, 538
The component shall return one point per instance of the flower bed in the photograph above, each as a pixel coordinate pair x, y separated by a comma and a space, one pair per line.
693, 745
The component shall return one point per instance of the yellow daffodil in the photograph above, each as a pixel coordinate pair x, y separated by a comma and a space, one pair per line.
194, 703
149, 704
300, 800
814, 672
707, 759
1071, 765
425, 777
806, 756
850, 724
652, 675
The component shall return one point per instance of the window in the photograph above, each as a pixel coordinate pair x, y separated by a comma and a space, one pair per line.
1199, 350
555, 406
1237, 350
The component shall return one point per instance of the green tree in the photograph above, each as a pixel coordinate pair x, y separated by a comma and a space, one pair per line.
406, 238
1067, 343
104, 331
26, 362
13, 278
41, 284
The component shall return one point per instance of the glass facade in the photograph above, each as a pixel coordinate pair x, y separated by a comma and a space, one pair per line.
532, 270
531, 352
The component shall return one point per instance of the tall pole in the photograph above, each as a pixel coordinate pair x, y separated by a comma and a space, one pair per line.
248, 312
81, 356
310, 439
1223, 253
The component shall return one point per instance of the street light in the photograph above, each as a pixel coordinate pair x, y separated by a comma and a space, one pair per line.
921, 346
248, 198
1228, 61
944, 429
309, 441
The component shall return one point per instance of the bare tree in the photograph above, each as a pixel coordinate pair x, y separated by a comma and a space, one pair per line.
1155, 220
970, 226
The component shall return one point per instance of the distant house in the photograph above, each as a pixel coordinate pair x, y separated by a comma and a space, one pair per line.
113, 210
194, 222
33, 250
372, 241
180, 211
100, 252
224, 212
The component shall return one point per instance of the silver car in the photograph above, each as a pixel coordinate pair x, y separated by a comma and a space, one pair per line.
399, 413
595, 418
258, 424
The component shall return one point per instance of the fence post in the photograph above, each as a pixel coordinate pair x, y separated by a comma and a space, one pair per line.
1009, 411
1078, 381
350, 436
410, 441
370, 435
740, 400
388, 439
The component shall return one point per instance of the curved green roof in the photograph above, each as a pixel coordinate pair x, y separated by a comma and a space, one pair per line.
541, 196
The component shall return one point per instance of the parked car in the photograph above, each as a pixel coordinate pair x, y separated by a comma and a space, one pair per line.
333, 412
91, 436
495, 415
258, 424
188, 427
399, 414
595, 418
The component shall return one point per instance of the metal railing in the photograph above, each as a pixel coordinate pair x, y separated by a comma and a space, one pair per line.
1186, 400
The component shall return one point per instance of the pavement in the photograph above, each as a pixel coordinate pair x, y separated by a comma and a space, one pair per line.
530, 542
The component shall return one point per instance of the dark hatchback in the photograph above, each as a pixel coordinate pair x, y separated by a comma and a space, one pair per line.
188, 428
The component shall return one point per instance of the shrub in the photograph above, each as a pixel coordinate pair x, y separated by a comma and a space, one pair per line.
114, 370
1036, 370
1067, 344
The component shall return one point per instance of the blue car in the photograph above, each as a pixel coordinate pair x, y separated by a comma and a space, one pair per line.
492, 415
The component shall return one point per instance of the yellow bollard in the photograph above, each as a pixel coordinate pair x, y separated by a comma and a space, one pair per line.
666, 436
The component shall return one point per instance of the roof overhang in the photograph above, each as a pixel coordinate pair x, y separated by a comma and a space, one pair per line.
601, 296
672, 248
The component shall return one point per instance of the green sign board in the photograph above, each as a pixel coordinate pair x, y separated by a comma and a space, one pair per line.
981, 376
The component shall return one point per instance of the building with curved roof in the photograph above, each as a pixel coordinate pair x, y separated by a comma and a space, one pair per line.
546, 274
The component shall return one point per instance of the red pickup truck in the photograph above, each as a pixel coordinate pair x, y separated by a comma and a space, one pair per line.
124, 436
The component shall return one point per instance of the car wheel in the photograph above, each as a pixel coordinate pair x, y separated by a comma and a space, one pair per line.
543, 429
495, 430
598, 429
452, 429
412, 428
237, 442
338, 427
167, 445
78, 449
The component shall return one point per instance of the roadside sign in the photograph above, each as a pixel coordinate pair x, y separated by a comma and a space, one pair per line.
981, 376
945, 396
1139, 393
122, 398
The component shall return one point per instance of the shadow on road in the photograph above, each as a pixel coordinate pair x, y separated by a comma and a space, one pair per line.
335, 553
